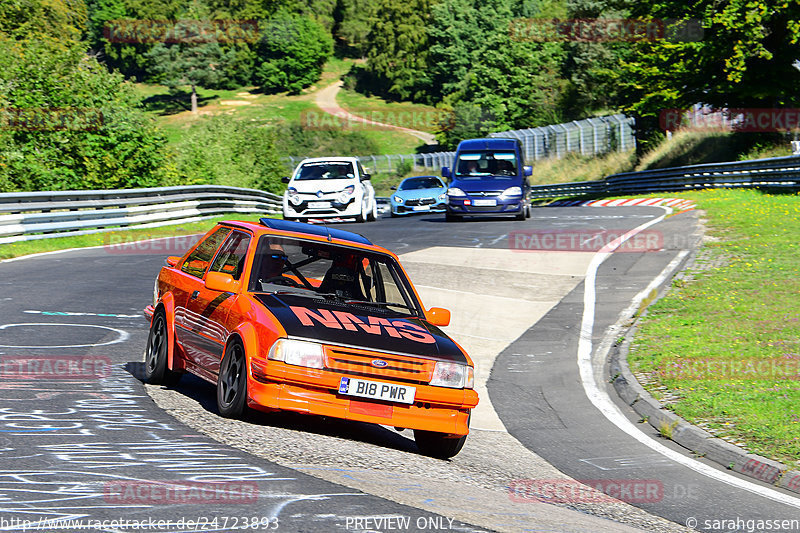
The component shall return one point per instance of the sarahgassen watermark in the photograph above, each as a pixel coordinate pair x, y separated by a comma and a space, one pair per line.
598, 30
148, 31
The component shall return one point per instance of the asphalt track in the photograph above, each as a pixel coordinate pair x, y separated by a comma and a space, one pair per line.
71, 447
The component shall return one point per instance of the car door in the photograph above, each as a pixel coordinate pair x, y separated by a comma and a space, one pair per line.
207, 310
188, 282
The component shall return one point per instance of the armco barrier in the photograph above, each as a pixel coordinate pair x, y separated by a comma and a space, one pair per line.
41, 215
778, 172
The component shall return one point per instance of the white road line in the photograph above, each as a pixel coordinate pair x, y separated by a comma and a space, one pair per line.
601, 400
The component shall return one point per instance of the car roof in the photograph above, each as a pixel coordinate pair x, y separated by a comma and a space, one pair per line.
290, 228
488, 144
340, 159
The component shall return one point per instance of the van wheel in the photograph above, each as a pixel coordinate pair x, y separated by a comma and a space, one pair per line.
438, 445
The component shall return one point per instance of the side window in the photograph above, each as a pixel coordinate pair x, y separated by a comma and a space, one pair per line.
231, 257
198, 261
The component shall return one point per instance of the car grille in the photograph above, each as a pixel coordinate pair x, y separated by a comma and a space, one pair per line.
482, 194
400, 368
420, 201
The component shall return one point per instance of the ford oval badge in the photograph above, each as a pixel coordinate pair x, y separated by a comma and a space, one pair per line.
380, 363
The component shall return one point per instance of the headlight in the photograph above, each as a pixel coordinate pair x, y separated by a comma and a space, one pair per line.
453, 375
293, 196
512, 191
398, 199
298, 353
344, 196
455, 191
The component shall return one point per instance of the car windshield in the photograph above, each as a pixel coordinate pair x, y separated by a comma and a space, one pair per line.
325, 170
343, 275
479, 164
422, 182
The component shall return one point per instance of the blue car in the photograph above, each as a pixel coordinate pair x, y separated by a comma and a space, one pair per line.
419, 194
489, 178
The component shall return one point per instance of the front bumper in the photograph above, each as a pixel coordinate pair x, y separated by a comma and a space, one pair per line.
403, 209
312, 209
276, 385
465, 205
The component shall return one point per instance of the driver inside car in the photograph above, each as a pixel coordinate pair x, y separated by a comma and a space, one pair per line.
342, 278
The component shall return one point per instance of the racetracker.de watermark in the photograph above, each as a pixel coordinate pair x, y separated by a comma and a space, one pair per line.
66, 367
731, 119
586, 490
585, 240
375, 119
148, 31
179, 492
50, 119
595, 30
775, 369
121, 244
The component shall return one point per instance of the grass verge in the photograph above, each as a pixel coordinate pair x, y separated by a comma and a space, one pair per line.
725, 342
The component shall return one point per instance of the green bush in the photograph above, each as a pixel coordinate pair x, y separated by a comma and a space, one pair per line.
221, 151
69, 124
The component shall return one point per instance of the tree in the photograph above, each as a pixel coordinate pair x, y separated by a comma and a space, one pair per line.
291, 53
69, 124
204, 65
63, 19
743, 58
397, 49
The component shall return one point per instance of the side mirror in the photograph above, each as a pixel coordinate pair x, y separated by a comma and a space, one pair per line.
173, 260
446, 172
365, 177
528, 171
286, 179
393, 187
221, 282
438, 316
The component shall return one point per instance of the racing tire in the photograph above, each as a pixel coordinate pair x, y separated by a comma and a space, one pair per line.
372, 216
528, 211
521, 215
232, 382
156, 354
362, 216
452, 218
438, 445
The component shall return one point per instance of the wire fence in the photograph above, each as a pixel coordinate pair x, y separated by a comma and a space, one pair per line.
588, 137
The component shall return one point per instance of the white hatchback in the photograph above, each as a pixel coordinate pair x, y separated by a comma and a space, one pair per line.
329, 187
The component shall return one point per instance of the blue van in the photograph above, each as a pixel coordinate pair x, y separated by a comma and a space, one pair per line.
489, 178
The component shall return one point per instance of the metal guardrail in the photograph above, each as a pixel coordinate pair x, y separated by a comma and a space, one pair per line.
42, 215
778, 172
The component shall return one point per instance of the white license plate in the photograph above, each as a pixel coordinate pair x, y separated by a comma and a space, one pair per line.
484, 203
421, 208
319, 205
377, 391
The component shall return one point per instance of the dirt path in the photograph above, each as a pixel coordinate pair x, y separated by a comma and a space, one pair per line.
326, 100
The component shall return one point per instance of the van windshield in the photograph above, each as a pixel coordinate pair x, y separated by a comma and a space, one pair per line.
325, 170
478, 164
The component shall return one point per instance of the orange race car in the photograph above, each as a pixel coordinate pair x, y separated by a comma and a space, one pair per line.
287, 315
